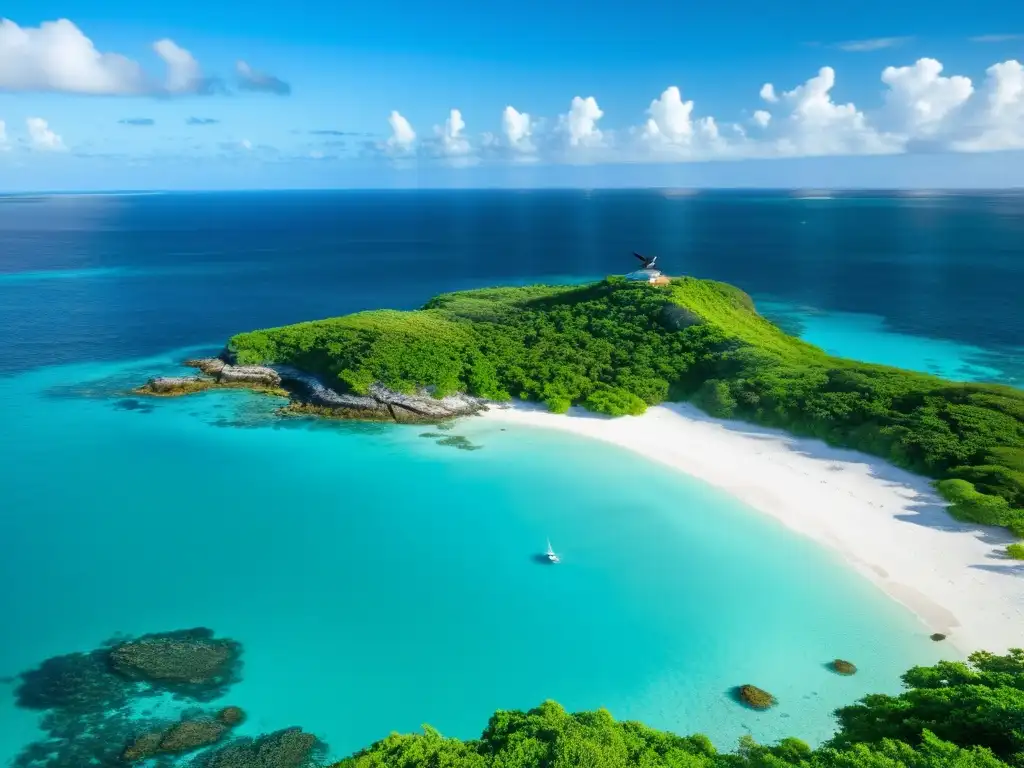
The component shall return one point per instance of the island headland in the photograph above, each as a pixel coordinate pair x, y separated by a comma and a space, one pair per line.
693, 367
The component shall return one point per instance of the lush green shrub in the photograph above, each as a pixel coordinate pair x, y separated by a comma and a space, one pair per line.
952, 715
968, 504
1016, 551
615, 402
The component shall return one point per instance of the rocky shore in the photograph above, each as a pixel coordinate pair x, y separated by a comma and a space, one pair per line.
309, 395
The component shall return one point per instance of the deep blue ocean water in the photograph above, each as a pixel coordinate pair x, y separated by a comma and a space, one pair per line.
378, 580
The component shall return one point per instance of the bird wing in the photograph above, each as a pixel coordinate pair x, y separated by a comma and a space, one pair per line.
642, 258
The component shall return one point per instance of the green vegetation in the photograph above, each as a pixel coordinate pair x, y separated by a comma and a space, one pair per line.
1016, 551
952, 715
616, 347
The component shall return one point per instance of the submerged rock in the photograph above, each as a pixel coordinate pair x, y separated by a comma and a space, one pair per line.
938, 637
190, 661
843, 667
755, 698
231, 716
288, 748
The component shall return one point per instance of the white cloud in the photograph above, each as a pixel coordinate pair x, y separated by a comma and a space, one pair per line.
56, 56
517, 128
997, 120
41, 137
671, 128
452, 141
402, 134
579, 124
873, 44
3, 136
183, 72
920, 98
921, 108
245, 144
768, 93
996, 38
816, 125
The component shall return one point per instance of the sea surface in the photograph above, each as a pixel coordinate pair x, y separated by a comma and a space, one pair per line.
379, 580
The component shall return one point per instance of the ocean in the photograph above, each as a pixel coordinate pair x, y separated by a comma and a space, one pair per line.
378, 580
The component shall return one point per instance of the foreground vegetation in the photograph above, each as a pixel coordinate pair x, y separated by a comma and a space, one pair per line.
616, 347
952, 715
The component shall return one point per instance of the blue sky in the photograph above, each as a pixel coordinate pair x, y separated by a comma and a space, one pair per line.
94, 102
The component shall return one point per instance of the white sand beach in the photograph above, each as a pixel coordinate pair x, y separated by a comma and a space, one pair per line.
887, 523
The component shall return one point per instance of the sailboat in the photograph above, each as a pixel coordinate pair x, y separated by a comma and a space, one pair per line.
550, 554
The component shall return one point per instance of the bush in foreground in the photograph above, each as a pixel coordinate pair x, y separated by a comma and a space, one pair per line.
952, 715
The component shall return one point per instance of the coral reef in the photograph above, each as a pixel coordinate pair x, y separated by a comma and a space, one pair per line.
87, 699
288, 748
755, 698
189, 662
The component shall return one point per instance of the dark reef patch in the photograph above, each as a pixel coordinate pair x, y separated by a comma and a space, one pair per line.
132, 404
288, 748
88, 699
189, 662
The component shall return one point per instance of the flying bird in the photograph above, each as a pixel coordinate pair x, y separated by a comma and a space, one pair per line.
648, 263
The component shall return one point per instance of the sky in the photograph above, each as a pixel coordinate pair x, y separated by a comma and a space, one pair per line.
111, 94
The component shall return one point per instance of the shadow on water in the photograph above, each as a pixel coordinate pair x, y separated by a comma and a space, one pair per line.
540, 559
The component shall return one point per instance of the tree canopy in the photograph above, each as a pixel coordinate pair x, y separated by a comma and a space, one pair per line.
952, 715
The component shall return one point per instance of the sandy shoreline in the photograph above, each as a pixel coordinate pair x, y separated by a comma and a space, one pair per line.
887, 523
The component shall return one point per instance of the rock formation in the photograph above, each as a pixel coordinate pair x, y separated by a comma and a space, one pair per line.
755, 698
310, 395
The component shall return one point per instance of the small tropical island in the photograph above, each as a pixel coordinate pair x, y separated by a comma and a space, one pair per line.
915, 480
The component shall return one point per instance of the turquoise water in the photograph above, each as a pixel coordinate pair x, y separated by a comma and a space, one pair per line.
866, 337
380, 581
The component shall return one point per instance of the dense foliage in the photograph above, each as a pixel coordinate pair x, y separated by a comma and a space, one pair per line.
616, 347
953, 715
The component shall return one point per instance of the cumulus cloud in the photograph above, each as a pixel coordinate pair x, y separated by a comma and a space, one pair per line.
922, 108
184, 75
402, 135
3, 136
250, 79
451, 137
996, 121
517, 128
579, 124
41, 137
920, 99
816, 125
56, 56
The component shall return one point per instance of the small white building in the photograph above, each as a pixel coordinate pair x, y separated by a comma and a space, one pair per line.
652, 276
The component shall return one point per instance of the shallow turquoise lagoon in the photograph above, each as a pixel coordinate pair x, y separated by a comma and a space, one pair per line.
379, 581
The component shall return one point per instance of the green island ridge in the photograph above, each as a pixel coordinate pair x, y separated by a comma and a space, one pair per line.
616, 347
951, 715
